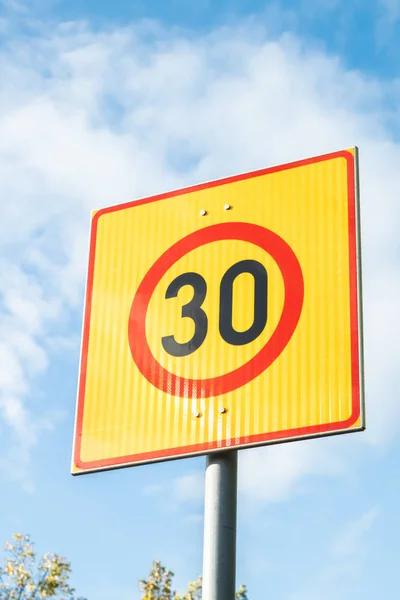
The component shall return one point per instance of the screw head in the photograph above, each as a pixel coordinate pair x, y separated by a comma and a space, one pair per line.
227, 206
196, 414
222, 410
203, 212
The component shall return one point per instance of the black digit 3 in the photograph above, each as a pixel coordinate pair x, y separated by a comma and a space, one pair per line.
191, 310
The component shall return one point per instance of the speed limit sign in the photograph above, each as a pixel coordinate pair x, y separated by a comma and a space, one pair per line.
224, 315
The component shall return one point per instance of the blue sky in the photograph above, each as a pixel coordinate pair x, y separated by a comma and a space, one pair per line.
104, 102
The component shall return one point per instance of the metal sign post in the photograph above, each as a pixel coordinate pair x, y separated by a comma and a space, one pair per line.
219, 554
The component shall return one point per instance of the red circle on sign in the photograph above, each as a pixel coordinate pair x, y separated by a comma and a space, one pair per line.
181, 387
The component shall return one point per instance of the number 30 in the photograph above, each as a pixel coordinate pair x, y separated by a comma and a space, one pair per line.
193, 310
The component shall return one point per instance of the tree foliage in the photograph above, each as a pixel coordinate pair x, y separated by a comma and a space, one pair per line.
25, 577
158, 586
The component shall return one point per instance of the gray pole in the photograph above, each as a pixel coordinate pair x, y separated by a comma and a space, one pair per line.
219, 554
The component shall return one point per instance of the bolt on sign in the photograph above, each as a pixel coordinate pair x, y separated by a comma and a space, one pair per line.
223, 315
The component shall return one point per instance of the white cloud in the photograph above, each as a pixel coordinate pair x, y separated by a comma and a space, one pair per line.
391, 10
387, 22
93, 118
275, 473
339, 576
12, 5
153, 489
189, 487
350, 540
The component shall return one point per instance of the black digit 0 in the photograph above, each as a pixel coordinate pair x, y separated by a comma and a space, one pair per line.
228, 333
190, 310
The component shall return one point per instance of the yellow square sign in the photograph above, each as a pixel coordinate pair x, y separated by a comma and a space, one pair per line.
223, 315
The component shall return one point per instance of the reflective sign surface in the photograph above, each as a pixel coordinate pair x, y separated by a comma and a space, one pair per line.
222, 315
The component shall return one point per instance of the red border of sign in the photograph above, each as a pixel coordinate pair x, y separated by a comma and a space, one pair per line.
249, 440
